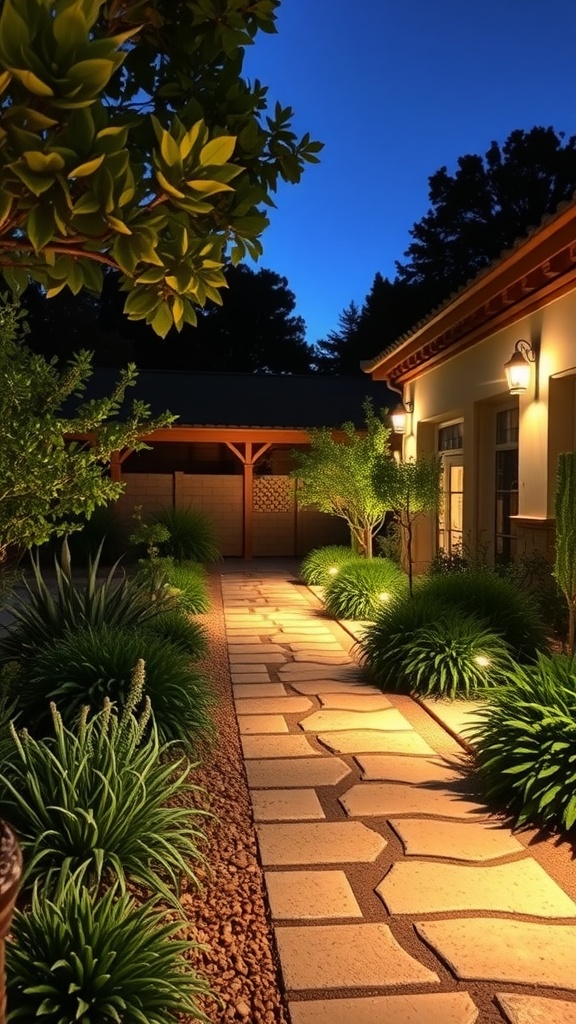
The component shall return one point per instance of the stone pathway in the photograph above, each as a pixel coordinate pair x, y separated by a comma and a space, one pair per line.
395, 897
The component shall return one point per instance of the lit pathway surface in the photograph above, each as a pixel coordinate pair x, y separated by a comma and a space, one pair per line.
395, 898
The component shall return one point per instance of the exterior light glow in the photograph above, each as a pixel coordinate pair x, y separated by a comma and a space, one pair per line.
332, 570
482, 660
517, 369
383, 596
399, 416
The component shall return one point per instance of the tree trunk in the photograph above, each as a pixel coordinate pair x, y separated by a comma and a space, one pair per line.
10, 876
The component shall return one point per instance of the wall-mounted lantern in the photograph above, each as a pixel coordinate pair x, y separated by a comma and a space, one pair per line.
517, 369
399, 416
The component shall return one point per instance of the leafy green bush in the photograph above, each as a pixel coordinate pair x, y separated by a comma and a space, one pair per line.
361, 586
192, 535
41, 615
182, 582
179, 629
455, 656
534, 573
382, 644
525, 744
504, 607
85, 667
101, 797
77, 957
320, 565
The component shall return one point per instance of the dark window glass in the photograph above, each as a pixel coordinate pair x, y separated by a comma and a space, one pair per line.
450, 438
507, 426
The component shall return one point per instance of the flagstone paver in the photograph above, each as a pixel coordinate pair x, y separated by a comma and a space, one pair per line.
347, 956
436, 1008
251, 725
424, 837
308, 895
400, 768
522, 887
374, 799
337, 721
301, 771
286, 805
358, 741
535, 1009
242, 690
504, 950
277, 746
331, 842
273, 705
323, 853
354, 702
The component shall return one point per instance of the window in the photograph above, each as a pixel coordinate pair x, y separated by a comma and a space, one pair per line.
450, 517
506, 477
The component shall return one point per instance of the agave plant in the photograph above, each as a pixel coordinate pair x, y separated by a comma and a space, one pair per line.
106, 797
525, 742
40, 616
98, 960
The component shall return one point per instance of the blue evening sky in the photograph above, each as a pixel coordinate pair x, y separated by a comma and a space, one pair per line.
395, 90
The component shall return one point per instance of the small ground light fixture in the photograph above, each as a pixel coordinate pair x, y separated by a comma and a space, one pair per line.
482, 660
384, 596
332, 571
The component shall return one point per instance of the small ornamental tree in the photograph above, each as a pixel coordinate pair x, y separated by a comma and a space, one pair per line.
336, 476
46, 480
565, 513
131, 140
413, 490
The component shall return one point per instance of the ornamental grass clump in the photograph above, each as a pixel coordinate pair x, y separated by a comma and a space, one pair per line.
525, 743
46, 612
320, 566
362, 586
455, 656
191, 535
85, 667
74, 956
105, 796
179, 629
183, 583
382, 644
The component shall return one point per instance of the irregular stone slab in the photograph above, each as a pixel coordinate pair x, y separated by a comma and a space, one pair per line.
398, 768
424, 837
457, 715
522, 887
242, 690
380, 798
337, 721
290, 636
233, 632
256, 659
248, 674
250, 725
348, 956
291, 671
303, 895
358, 741
536, 1010
273, 705
323, 657
501, 950
439, 1008
318, 686
330, 842
252, 648
354, 702
286, 805
319, 771
277, 746
320, 645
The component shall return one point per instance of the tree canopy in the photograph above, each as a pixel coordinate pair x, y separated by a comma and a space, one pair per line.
130, 140
48, 479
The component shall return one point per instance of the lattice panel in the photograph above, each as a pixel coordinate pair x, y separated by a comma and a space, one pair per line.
273, 494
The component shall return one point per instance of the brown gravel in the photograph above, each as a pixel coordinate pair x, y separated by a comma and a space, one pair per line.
228, 914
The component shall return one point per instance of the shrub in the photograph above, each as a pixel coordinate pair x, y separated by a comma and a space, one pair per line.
525, 744
182, 582
362, 586
503, 606
76, 957
192, 535
382, 644
320, 565
85, 667
100, 797
102, 530
179, 629
533, 573
40, 616
455, 656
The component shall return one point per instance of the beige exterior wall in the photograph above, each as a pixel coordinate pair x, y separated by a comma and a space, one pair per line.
471, 386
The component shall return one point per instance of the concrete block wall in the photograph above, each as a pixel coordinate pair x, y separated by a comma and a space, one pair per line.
150, 490
221, 498
274, 534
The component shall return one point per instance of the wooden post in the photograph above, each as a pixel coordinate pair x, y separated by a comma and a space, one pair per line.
248, 502
10, 876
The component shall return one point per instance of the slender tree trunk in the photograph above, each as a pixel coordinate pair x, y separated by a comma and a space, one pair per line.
409, 553
571, 626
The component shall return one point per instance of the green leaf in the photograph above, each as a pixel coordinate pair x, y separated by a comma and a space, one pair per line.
43, 163
217, 151
87, 168
32, 83
162, 322
40, 226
